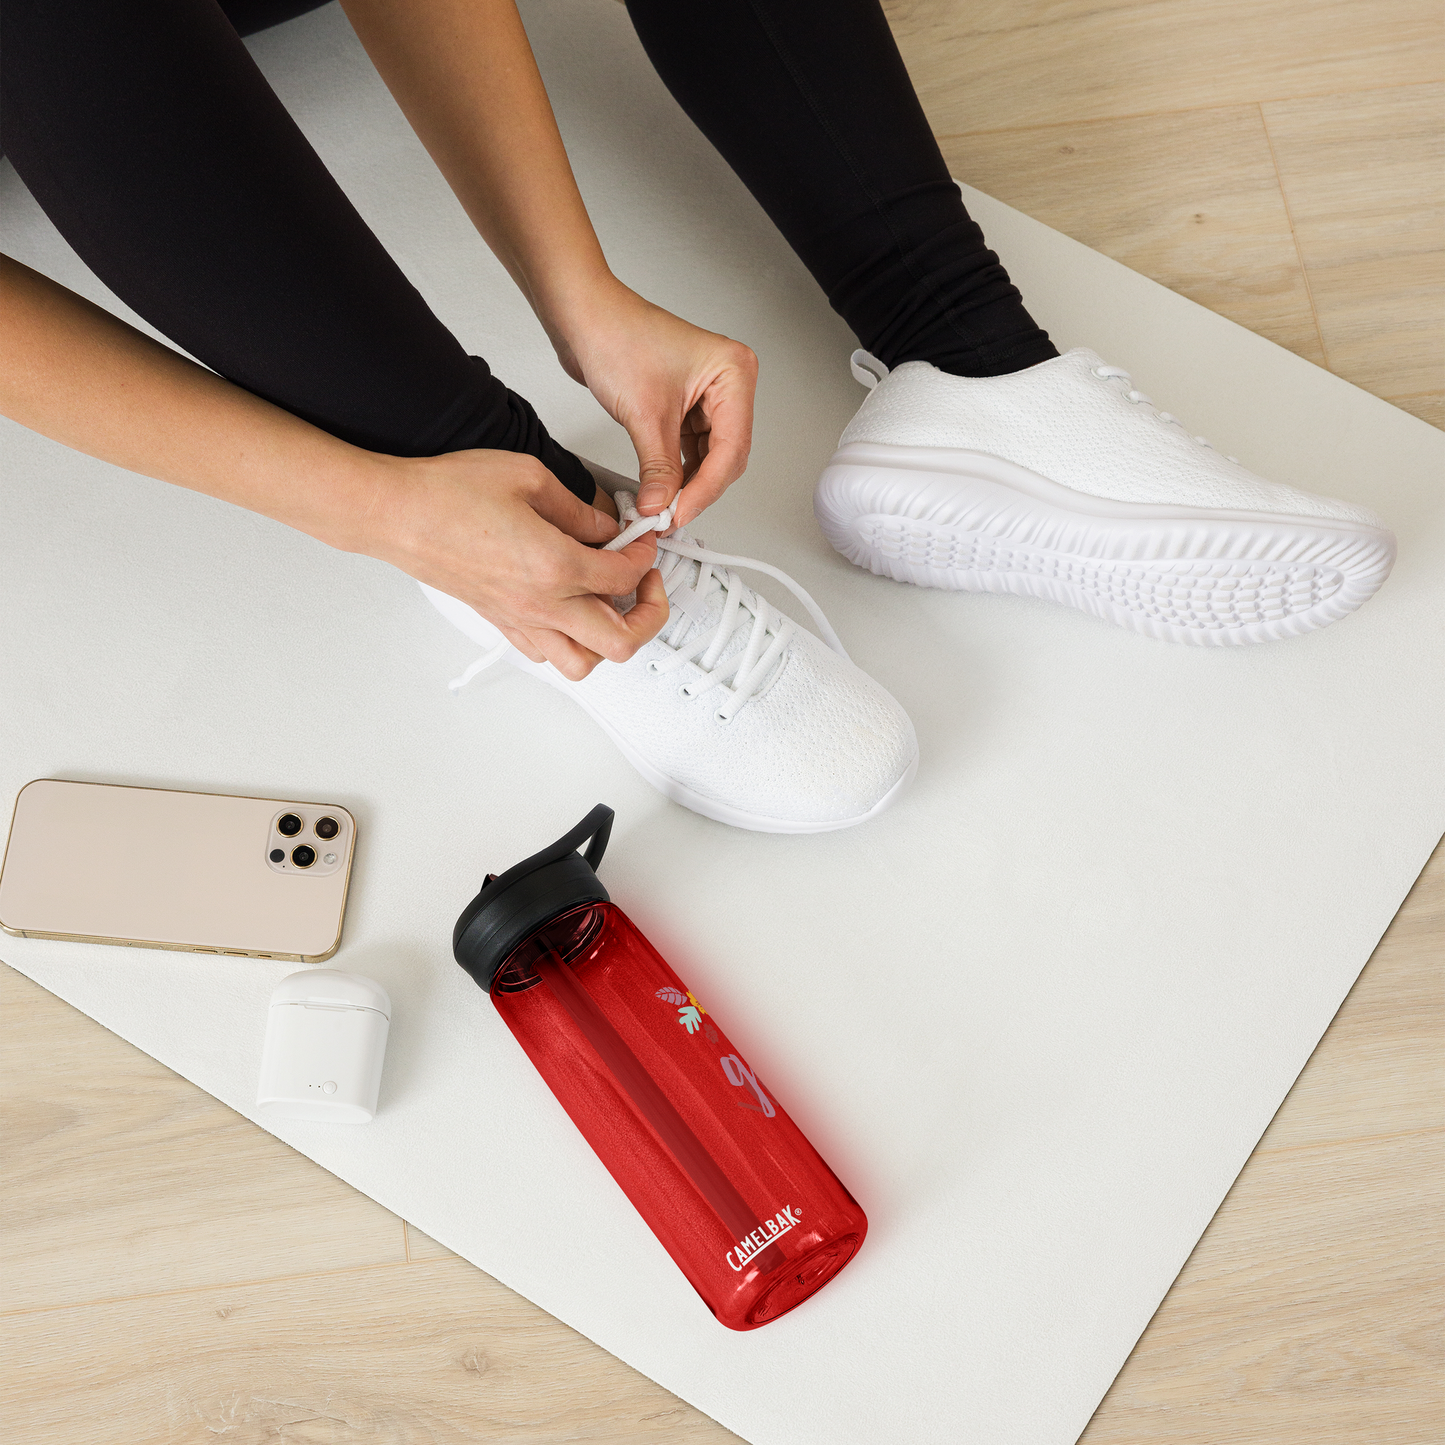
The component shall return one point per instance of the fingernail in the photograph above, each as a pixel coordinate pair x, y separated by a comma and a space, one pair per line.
654, 494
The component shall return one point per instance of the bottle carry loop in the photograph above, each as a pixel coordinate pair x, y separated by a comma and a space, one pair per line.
597, 826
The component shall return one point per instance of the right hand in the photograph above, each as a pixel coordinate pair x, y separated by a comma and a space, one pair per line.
685, 395
499, 532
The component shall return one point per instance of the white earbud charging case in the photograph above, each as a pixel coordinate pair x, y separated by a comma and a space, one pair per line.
325, 1044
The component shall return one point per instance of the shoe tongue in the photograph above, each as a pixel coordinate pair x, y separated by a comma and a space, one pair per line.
705, 612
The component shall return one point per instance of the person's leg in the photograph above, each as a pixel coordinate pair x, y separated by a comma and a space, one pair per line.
152, 141
809, 102
249, 16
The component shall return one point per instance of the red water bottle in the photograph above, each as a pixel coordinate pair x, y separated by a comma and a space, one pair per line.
738, 1197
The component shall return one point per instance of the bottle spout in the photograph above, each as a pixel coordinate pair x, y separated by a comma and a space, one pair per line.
513, 904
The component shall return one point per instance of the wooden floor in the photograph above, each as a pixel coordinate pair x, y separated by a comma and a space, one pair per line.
174, 1274
1278, 161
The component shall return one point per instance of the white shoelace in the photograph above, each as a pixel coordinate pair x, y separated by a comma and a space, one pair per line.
1133, 394
769, 632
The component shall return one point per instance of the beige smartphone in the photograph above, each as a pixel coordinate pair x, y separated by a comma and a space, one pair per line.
154, 868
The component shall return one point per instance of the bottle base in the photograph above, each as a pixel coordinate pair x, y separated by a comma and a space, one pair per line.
802, 1278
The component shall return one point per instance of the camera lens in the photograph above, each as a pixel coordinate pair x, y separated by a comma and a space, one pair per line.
303, 857
327, 827
288, 825
278, 855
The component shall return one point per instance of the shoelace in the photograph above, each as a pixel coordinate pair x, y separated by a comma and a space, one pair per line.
1133, 394
770, 631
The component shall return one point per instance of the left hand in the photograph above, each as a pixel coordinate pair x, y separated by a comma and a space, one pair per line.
685, 395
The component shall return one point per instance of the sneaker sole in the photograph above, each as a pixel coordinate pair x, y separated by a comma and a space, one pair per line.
970, 522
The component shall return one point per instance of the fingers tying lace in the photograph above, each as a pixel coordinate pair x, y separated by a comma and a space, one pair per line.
692, 577
638, 526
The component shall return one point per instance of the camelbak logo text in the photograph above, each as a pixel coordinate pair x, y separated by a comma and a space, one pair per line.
752, 1245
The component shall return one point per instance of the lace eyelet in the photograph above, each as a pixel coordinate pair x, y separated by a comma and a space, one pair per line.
722, 717
654, 666
687, 692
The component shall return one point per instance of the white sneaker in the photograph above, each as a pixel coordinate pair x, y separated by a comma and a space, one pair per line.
1062, 481
733, 710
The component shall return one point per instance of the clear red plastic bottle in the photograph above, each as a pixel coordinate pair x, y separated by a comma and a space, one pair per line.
726, 1181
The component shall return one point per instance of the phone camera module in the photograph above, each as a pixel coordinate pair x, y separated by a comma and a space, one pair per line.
288, 825
327, 827
278, 855
302, 856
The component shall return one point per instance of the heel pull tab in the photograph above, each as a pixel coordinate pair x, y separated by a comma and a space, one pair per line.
866, 368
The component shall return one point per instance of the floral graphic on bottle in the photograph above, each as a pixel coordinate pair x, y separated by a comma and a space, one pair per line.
689, 1010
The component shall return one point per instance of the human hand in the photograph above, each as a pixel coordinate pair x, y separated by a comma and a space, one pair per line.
499, 532
685, 395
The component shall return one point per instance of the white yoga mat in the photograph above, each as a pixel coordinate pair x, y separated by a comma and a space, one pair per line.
1036, 1016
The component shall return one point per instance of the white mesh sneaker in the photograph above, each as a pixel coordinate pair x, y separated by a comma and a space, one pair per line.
733, 710
1064, 482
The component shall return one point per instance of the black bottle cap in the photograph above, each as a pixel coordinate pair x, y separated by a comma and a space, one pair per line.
512, 907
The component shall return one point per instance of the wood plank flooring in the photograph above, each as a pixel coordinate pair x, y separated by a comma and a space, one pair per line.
165, 1274
1365, 178
1303, 199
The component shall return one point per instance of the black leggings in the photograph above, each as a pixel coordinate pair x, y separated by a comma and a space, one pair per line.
152, 141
